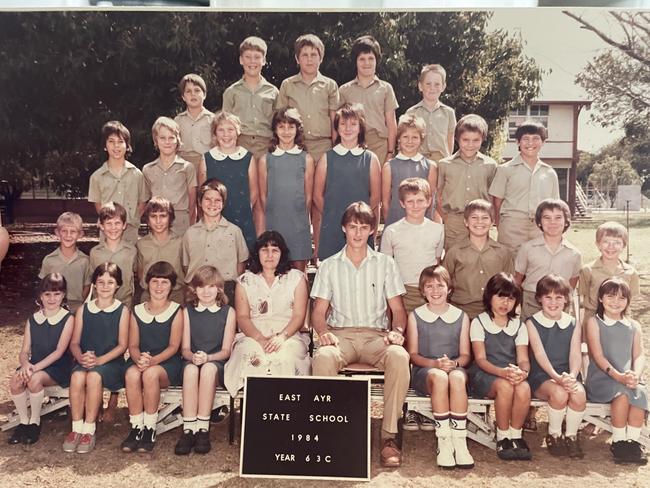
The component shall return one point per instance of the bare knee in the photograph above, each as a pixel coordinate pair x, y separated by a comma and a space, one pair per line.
559, 396
208, 370
151, 378
16, 385
437, 379
522, 392
457, 380
503, 388
133, 376
94, 379
191, 373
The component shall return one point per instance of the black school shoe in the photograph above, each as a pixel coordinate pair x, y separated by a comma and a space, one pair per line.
147, 441
505, 450
18, 435
522, 451
32, 433
130, 444
202, 442
619, 450
185, 443
632, 453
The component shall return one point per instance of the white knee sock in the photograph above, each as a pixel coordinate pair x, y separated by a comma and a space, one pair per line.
202, 423
20, 401
36, 402
573, 421
633, 433
618, 434
150, 420
555, 417
137, 421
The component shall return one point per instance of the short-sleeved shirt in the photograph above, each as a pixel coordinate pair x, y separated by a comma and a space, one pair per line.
593, 274
535, 260
376, 98
172, 183
196, 134
128, 189
314, 102
514, 328
253, 107
125, 257
460, 181
413, 246
441, 121
223, 247
357, 296
150, 251
471, 268
522, 188
76, 271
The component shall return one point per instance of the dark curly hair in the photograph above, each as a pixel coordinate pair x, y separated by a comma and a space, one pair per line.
269, 238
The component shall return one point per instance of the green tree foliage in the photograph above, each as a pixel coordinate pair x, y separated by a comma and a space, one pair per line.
607, 174
64, 74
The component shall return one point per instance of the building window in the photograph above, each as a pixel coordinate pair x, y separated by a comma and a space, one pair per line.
538, 113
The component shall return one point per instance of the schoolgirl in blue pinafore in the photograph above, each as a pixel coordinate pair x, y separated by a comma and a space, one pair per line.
45, 333
207, 327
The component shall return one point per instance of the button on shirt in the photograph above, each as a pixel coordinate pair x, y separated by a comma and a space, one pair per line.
253, 107
196, 134
522, 188
535, 260
358, 296
127, 189
461, 182
441, 121
376, 98
314, 102
172, 183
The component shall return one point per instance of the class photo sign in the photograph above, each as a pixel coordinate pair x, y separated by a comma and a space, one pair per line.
306, 427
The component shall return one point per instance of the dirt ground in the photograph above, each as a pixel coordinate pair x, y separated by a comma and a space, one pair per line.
45, 465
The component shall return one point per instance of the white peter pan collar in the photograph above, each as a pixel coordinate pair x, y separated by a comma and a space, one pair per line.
163, 316
449, 317
341, 150
488, 324
212, 308
93, 308
40, 317
417, 157
216, 153
279, 152
608, 321
563, 323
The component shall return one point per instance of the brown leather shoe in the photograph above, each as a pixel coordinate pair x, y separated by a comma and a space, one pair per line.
390, 456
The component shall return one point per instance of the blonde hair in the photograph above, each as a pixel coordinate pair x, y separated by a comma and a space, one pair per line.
221, 117
611, 229
169, 124
310, 40
204, 276
71, 219
410, 121
253, 43
433, 68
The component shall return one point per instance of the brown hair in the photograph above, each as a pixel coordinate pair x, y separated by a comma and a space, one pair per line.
503, 285
161, 269
434, 273
413, 185
553, 204
359, 212
552, 283
52, 282
478, 205
310, 40
613, 286
290, 116
115, 127
195, 80
159, 204
471, 123
112, 269
111, 210
366, 44
221, 117
204, 276
351, 111
533, 128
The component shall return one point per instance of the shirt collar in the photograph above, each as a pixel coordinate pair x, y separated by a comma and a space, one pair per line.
318, 78
163, 316
204, 112
436, 106
418, 157
563, 323
609, 322
356, 81
488, 324
279, 152
223, 222
93, 308
177, 160
598, 264
212, 308
75, 256
449, 317
341, 255
519, 160
40, 317
216, 153
127, 166
342, 150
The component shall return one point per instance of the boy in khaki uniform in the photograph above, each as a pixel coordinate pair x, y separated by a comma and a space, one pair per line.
68, 260
315, 96
117, 180
195, 122
463, 177
252, 98
440, 118
473, 260
112, 222
376, 96
520, 185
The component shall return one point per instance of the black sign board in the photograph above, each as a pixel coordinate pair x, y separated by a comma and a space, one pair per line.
306, 427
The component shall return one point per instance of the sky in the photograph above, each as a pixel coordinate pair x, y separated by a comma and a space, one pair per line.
557, 43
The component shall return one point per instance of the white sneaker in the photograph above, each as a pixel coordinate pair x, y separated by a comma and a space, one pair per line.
445, 449
464, 459
411, 421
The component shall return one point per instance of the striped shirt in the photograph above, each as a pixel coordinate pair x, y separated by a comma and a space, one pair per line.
358, 296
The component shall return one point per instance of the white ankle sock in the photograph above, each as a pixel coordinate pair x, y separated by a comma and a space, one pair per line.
77, 426
89, 428
618, 434
137, 420
633, 433
202, 423
189, 423
515, 433
502, 434
150, 420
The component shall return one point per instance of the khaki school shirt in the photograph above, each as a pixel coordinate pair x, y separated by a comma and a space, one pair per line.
521, 188
172, 183
376, 98
471, 268
314, 102
535, 260
150, 251
76, 272
128, 189
253, 107
441, 121
223, 247
593, 274
125, 257
460, 182
196, 134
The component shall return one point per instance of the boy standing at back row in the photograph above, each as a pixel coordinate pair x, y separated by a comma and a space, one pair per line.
252, 98
376, 96
315, 96
520, 185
